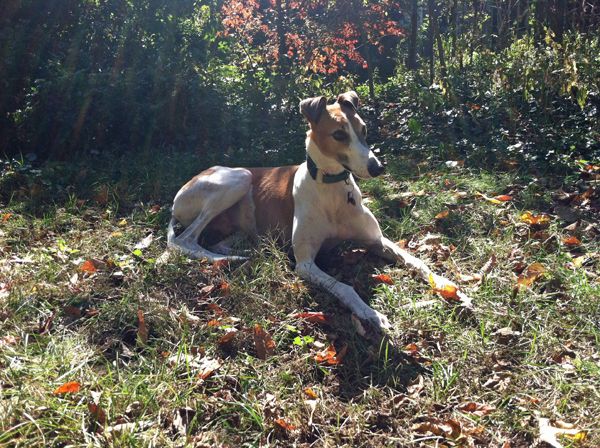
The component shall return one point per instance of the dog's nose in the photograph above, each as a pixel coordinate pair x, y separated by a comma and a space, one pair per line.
375, 167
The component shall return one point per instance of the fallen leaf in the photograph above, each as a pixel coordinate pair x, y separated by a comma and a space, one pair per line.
142, 332
310, 393
207, 367
469, 278
215, 308
284, 423
571, 241
447, 291
6, 217
313, 317
447, 428
531, 274
442, 215
214, 323
97, 413
224, 288
68, 388
220, 264
88, 266
549, 432
383, 278
122, 223
227, 338
72, 311
474, 408
495, 200
145, 242
154, 209
330, 357
535, 220
9, 340
263, 343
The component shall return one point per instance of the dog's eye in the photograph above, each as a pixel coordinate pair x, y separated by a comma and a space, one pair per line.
339, 135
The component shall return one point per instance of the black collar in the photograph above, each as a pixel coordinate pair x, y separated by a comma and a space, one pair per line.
326, 178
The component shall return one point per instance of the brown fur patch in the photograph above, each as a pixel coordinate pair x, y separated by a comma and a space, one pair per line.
336, 117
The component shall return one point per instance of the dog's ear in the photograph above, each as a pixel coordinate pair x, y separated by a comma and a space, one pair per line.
312, 108
349, 99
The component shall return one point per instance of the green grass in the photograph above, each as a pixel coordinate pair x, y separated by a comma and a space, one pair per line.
60, 324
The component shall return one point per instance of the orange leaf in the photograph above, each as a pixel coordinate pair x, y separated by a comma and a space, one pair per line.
330, 357
220, 264
214, 323
571, 241
88, 266
442, 215
283, 423
6, 217
449, 292
535, 220
313, 317
224, 287
503, 197
227, 338
310, 393
142, 332
208, 367
68, 388
264, 344
383, 278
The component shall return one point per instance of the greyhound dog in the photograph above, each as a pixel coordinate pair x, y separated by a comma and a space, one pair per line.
314, 205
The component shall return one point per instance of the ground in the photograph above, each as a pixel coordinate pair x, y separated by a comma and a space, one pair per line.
101, 345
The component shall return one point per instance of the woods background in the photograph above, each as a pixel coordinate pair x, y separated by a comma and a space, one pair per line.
223, 78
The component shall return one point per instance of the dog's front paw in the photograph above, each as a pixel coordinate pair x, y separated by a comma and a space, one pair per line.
376, 319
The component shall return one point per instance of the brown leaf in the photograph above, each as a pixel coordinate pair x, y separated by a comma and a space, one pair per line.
215, 308
207, 367
6, 217
313, 317
263, 343
383, 278
503, 197
447, 428
224, 288
72, 311
531, 274
88, 266
220, 264
97, 413
478, 409
68, 388
142, 332
442, 215
227, 338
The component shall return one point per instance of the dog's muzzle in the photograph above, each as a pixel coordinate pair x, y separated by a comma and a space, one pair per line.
375, 167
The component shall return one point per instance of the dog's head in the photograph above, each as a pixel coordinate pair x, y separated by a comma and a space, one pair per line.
340, 133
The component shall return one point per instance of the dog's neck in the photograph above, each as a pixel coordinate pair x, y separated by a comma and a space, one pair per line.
326, 165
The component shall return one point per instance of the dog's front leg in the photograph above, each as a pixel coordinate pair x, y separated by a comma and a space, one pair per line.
309, 271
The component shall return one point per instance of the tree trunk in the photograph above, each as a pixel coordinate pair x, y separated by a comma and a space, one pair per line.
411, 62
430, 39
454, 24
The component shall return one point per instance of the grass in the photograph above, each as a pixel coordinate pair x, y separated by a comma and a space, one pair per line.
524, 352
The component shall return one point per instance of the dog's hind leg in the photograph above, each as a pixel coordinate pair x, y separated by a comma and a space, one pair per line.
201, 200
